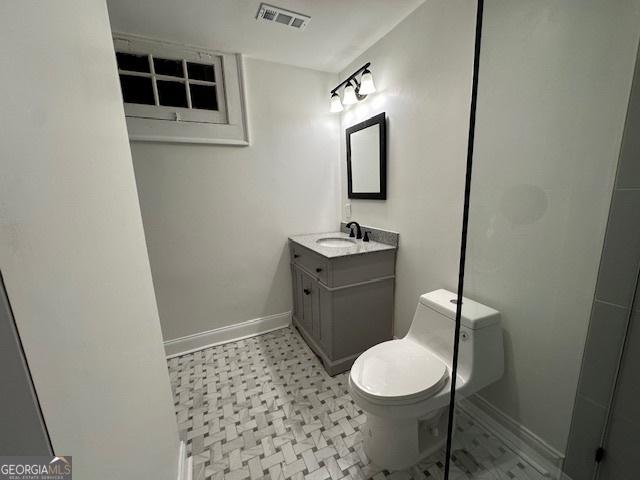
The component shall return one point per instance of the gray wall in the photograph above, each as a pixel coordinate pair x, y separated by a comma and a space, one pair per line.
553, 90
22, 429
612, 308
217, 217
72, 246
422, 71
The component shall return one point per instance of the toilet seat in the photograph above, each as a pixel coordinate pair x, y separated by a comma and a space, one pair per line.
398, 372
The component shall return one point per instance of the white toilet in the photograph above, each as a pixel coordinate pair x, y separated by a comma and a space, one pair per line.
403, 385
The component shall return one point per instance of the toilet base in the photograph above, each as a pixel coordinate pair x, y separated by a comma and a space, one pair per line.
397, 444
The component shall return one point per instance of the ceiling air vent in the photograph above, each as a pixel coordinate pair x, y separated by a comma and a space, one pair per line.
271, 14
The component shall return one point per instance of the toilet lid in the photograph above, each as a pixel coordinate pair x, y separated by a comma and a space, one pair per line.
398, 370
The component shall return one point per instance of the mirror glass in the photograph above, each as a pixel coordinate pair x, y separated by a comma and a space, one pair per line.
366, 159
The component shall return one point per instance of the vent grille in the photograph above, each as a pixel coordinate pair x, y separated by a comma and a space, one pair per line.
268, 14
271, 14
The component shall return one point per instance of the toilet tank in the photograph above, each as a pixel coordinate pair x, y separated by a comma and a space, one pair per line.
481, 358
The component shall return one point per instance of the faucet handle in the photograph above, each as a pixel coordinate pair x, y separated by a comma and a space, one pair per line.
366, 236
351, 233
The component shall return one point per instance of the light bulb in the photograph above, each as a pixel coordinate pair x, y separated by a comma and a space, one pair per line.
349, 95
366, 83
336, 104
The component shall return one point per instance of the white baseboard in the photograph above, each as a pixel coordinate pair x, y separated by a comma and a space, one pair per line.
538, 453
185, 464
231, 333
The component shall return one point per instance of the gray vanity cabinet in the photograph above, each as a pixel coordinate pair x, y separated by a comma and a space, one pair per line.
342, 305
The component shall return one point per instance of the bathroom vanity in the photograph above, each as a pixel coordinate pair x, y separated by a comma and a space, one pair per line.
343, 293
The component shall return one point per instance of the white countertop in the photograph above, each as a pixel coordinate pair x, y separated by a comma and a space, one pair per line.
310, 241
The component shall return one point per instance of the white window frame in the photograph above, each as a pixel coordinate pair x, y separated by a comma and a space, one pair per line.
164, 112
159, 123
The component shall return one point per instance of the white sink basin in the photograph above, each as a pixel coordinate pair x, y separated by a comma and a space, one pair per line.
336, 242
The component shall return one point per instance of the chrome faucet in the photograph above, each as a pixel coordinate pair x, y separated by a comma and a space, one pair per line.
359, 231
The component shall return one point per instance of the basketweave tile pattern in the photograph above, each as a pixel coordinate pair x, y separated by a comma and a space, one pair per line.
264, 408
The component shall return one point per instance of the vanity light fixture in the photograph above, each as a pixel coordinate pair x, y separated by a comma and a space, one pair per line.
354, 89
349, 95
336, 104
366, 83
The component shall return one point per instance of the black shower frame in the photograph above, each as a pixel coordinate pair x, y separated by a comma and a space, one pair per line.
465, 225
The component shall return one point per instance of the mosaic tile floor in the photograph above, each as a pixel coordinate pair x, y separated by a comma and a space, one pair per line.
264, 408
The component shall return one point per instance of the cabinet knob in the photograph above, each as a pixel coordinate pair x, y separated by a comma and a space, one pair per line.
295, 255
318, 270
307, 291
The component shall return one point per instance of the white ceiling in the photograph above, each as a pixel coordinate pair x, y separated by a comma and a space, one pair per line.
339, 30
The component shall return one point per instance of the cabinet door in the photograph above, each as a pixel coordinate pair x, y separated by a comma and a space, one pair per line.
323, 318
306, 319
297, 292
315, 311
312, 308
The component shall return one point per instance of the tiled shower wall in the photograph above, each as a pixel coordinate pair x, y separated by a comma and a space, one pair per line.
612, 308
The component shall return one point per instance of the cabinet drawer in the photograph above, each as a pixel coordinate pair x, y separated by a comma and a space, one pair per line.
354, 269
315, 264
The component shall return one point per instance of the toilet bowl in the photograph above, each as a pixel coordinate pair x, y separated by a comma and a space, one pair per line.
403, 385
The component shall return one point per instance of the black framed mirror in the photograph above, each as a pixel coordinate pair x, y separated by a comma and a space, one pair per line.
367, 158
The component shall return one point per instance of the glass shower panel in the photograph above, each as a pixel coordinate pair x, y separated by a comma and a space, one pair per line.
605, 417
622, 442
553, 88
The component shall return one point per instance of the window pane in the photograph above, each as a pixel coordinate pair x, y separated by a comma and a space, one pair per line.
137, 89
133, 63
172, 94
199, 71
203, 97
168, 67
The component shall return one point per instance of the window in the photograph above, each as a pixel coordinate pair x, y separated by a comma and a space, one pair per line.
172, 88
179, 93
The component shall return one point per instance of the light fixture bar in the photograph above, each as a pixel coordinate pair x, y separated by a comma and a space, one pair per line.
351, 77
354, 90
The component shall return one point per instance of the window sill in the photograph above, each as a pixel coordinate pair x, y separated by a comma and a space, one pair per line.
168, 131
